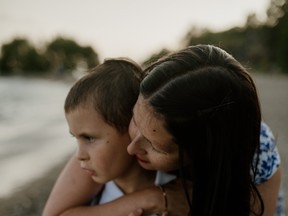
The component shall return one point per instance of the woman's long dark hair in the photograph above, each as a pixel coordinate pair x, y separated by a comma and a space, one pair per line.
210, 105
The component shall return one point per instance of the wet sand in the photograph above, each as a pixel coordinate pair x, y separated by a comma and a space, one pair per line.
273, 92
30, 199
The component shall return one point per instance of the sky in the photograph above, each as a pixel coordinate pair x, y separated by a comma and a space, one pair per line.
118, 28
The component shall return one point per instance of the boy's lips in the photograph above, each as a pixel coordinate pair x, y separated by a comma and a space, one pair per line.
89, 171
141, 160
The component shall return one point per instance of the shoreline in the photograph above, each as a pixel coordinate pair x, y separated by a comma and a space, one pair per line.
30, 199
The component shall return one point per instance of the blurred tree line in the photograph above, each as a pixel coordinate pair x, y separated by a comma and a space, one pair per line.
60, 56
260, 45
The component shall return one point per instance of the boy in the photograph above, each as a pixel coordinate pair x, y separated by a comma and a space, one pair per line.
98, 109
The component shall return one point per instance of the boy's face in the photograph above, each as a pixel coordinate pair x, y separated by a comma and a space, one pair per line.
102, 150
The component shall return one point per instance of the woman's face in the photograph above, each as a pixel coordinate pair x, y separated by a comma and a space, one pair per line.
151, 143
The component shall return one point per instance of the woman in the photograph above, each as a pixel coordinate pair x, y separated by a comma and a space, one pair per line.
198, 113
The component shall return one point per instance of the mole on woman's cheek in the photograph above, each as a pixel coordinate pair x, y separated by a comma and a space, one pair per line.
154, 130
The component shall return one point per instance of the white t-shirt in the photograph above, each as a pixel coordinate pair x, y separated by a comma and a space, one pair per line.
112, 191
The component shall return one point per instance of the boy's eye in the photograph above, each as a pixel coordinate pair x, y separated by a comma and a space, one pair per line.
88, 139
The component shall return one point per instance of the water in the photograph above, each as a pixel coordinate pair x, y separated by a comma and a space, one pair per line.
33, 131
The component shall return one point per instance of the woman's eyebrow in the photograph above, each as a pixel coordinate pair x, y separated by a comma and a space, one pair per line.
133, 119
134, 122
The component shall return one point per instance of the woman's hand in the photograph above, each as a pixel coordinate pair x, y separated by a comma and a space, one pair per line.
155, 203
177, 204
139, 212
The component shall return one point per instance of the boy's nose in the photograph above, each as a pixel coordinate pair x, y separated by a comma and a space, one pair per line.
81, 154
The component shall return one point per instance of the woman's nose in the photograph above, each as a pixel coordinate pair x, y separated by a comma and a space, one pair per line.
135, 147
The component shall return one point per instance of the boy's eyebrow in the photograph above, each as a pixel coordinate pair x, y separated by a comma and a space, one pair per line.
81, 134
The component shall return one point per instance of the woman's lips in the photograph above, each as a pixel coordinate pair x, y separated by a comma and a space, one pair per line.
141, 160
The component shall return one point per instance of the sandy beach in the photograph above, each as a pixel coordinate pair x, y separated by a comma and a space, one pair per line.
273, 91
30, 199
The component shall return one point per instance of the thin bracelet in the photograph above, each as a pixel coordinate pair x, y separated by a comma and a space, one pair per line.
164, 196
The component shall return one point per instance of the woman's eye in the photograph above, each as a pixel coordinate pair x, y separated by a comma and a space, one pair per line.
156, 150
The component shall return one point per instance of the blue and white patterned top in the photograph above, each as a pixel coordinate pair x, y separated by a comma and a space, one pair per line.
269, 158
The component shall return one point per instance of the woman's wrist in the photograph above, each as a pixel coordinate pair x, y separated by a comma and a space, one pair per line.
153, 200
165, 199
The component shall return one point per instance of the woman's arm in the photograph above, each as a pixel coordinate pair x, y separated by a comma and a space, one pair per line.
72, 188
268, 175
269, 191
150, 200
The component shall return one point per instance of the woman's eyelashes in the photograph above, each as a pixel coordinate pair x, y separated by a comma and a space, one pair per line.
156, 150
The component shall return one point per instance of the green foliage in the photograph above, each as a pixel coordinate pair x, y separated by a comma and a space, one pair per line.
279, 36
246, 44
90, 56
66, 54
59, 56
20, 57
263, 46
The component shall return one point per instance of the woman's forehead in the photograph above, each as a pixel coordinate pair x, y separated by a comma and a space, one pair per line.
149, 123
143, 113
